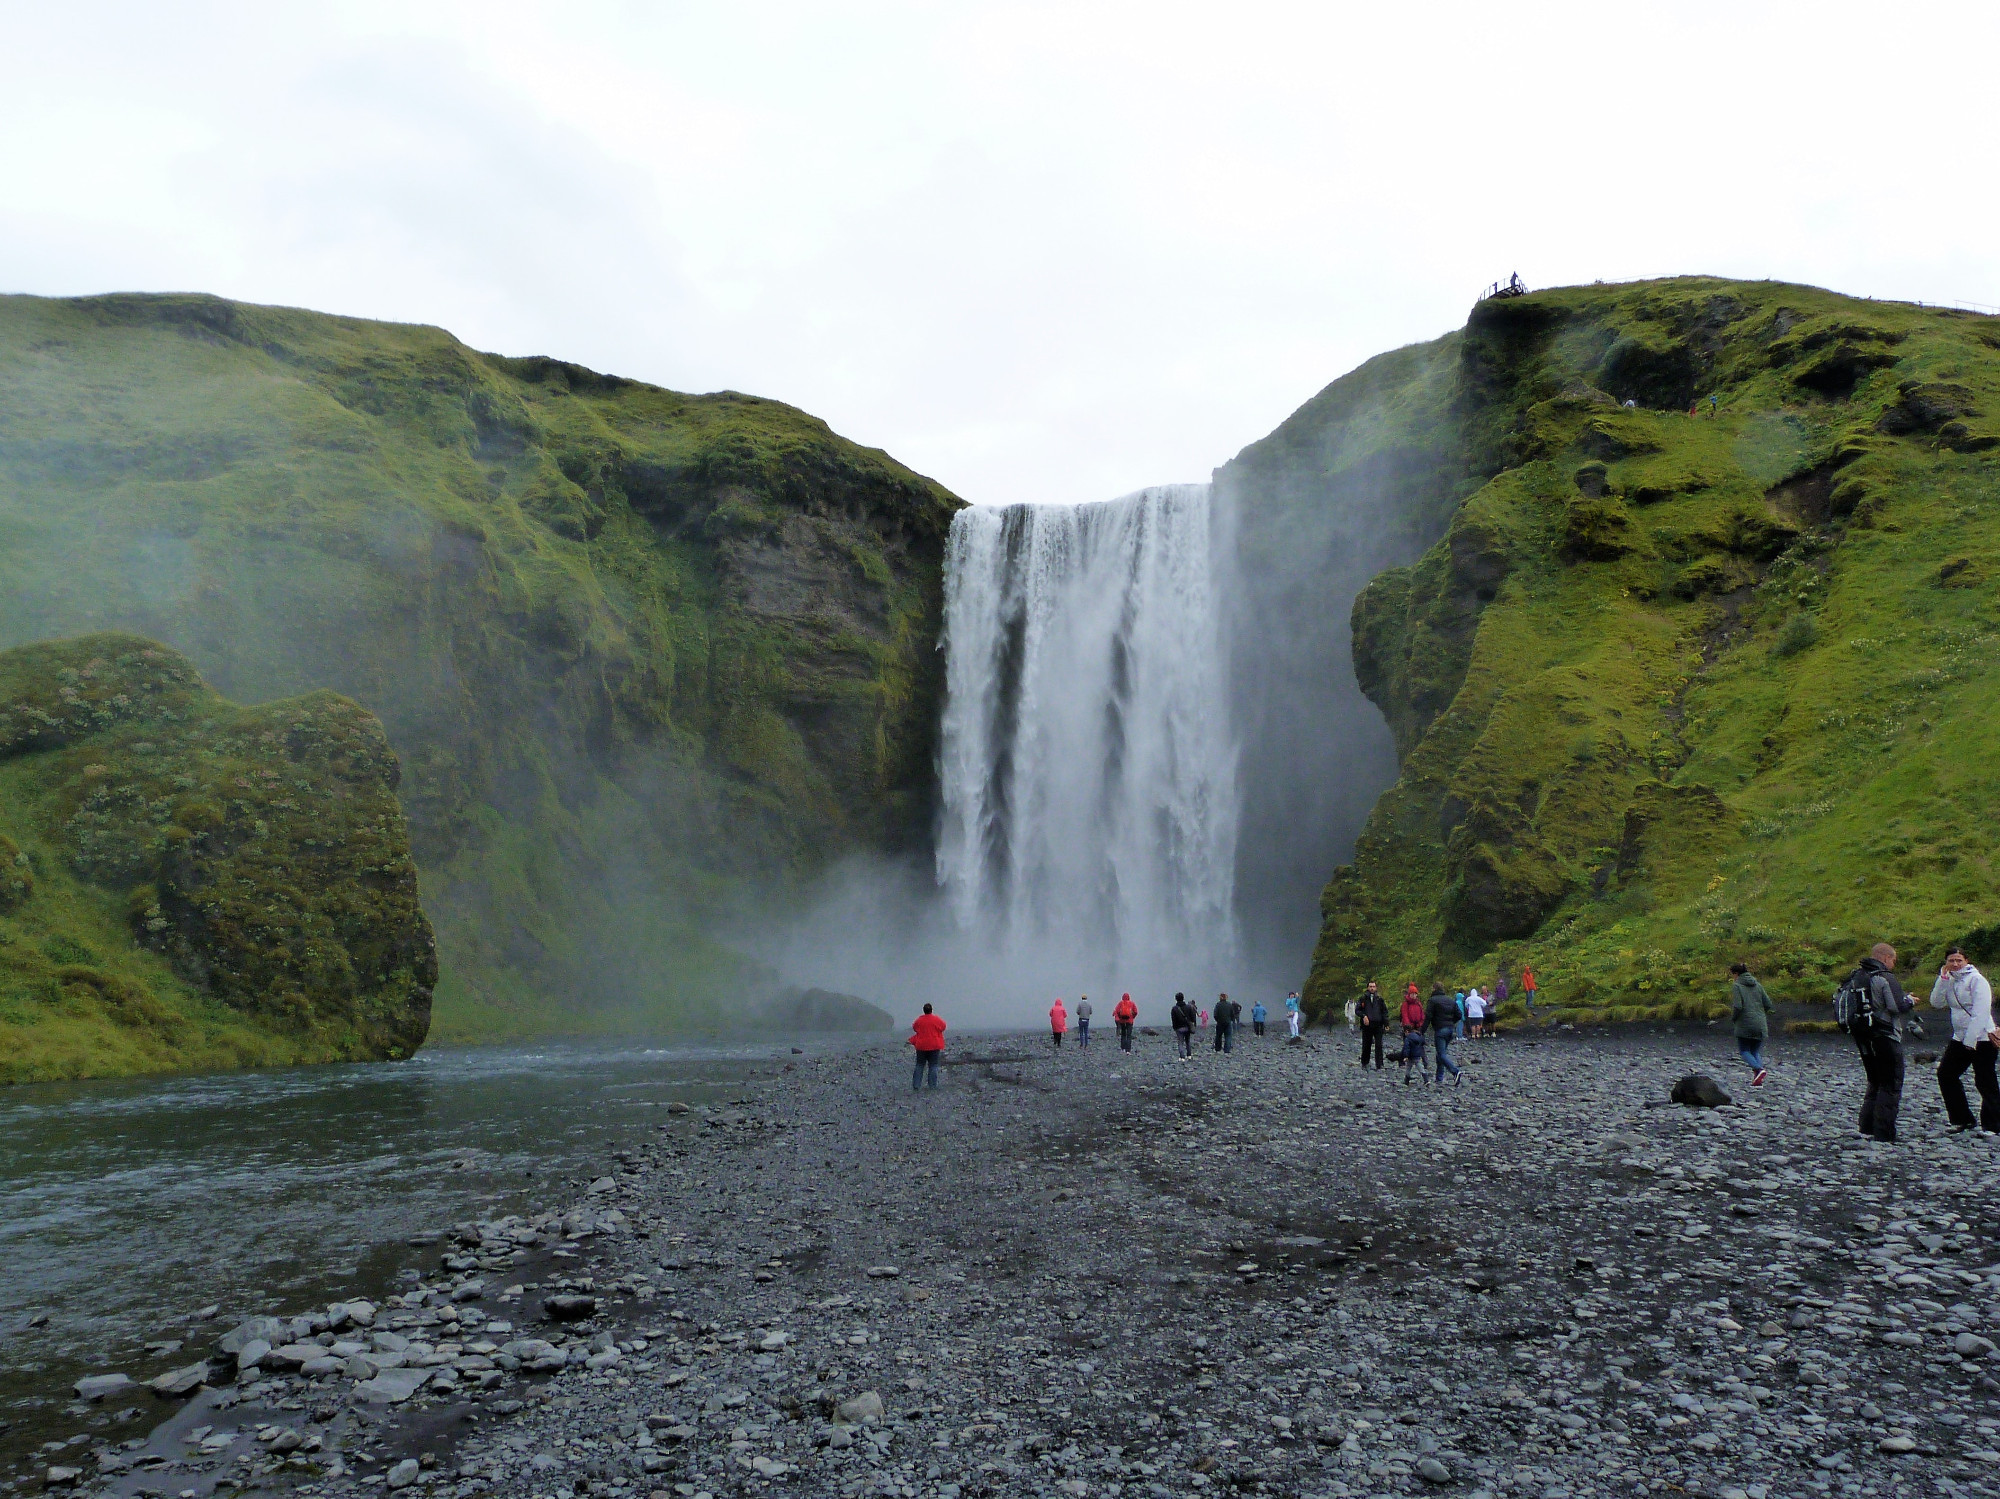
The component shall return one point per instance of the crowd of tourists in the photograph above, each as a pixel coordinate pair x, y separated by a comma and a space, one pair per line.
1871, 1006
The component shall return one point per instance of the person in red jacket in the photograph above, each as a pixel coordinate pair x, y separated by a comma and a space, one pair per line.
1125, 1013
927, 1036
1058, 1022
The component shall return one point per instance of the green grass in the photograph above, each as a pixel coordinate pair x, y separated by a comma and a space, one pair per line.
647, 659
1674, 691
201, 884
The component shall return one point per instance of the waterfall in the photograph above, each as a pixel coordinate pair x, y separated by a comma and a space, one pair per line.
1087, 769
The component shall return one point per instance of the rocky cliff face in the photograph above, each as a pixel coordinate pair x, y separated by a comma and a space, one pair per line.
647, 659
1679, 687
188, 881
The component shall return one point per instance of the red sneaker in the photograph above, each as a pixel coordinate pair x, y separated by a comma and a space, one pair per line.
1758, 1080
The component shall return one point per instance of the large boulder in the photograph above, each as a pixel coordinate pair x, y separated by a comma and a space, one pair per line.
1699, 1091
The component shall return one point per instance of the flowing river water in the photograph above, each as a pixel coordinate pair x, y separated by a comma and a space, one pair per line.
129, 1206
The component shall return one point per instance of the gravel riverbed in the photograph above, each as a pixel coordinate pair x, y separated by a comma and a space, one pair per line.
1107, 1274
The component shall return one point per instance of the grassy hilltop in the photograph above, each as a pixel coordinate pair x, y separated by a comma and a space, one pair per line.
643, 656
1671, 690
184, 882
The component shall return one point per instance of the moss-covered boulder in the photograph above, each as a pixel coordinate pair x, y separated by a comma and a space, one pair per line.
1721, 683
218, 883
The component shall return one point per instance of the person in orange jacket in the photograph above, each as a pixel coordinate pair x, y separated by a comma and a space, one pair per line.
927, 1036
1125, 1014
1058, 1022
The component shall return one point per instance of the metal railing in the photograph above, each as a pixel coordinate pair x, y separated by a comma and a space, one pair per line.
1513, 286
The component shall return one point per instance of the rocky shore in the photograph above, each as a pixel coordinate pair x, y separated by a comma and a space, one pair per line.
1105, 1274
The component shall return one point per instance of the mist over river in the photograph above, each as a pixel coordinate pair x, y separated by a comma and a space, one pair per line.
127, 1206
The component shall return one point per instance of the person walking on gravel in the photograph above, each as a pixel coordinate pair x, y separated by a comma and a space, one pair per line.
1443, 1017
1413, 1033
1258, 1015
1183, 1019
1058, 1023
1870, 1005
1372, 1015
1123, 1014
1294, 1013
1964, 991
1750, 1010
1083, 1022
927, 1036
1226, 1011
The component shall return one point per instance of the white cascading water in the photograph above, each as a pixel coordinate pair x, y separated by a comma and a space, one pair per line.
1088, 770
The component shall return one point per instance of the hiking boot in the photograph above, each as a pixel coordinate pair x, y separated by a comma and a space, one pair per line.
1757, 1078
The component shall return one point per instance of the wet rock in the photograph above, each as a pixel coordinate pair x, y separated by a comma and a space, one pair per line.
1699, 1091
266, 1330
569, 1307
96, 1387
392, 1386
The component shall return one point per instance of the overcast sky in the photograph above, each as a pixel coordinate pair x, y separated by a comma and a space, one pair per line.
1039, 251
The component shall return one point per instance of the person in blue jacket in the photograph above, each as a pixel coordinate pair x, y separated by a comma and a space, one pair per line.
1258, 1015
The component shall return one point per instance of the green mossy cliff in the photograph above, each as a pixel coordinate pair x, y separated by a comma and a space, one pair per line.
1672, 690
647, 659
186, 882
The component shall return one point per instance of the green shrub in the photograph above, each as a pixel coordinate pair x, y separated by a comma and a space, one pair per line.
1800, 633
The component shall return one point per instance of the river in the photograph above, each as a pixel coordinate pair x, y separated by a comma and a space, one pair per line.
128, 1206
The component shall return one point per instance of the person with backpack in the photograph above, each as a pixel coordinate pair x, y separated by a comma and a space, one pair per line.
1443, 1017
1058, 1023
1083, 1022
1294, 1013
1258, 1014
1750, 1010
1123, 1015
1226, 1011
927, 1036
1373, 1012
1413, 1034
1870, 1006
1183, 1023
1964, 991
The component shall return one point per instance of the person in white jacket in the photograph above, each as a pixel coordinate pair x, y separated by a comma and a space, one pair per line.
1964, 991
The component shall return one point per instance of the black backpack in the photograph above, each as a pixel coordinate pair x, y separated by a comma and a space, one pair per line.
1855, 1010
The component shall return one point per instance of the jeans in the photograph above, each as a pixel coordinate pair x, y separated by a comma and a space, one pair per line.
1371, 1035
1950, 1079
1186, 1039
1751, 1049
1124, 1035
926, 1062
1882, 1061
1444, 1057
1082, 1034
1224, 1039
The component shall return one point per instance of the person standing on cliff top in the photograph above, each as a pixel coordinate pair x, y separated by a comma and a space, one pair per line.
927, 1036
1123, 1014
1058, 1023
1083, 1022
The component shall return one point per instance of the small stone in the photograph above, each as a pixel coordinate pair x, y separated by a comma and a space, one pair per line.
392, 1386
1896, 1444
61, 1478
1699, 1091
569, 1308
95, 1387
266, 1330
177, 1382
1971, 1345
867, 1406
404, 1473
773, 1341
1433, 1471
883, 1272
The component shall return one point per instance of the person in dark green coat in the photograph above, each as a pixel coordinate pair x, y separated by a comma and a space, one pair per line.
1750, 1010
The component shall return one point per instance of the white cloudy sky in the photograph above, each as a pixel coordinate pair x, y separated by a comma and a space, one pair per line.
1040, 251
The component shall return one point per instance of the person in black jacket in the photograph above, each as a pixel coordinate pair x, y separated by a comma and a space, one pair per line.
1881, 1042
1372, 1015
1226, 1011
1441, 1014
1183, 1020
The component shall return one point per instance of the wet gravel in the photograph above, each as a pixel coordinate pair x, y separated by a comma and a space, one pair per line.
1101, 1274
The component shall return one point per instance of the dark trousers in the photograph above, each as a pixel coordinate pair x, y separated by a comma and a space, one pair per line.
1223, 1040
1882, 1061
1057, 1037
1371, 1035
1950, 1080
1124, 1035
926, 1062
1186, 1038
1257, 1026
